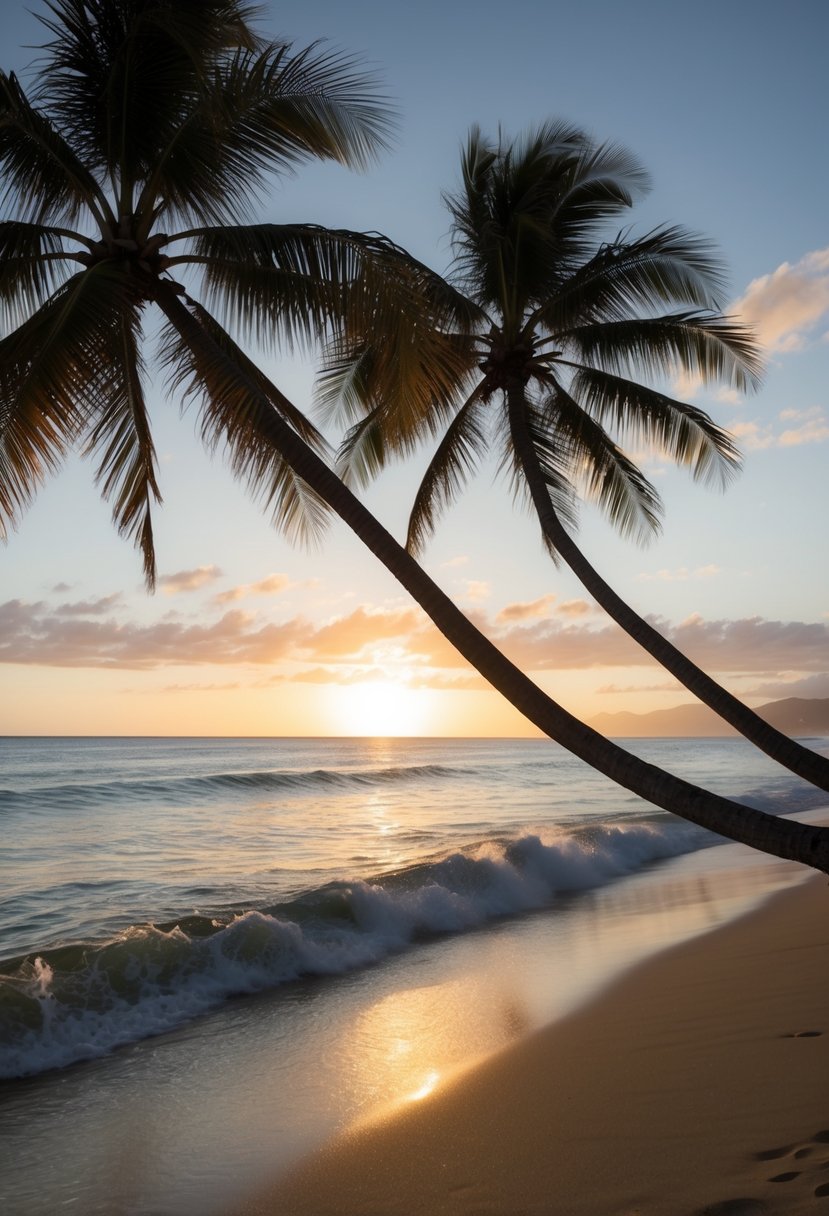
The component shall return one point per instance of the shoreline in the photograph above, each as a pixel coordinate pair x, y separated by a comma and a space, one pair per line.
695, 1085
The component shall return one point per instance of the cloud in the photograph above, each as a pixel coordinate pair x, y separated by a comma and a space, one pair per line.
188, 580
352, 634
671, 686
35, 634
575, 608
460, 560
61, 588
477, 590
89, 607
428, 679
681, 575
228, 686
394, 642
272, 585
522, 611
750, 645
807, 686
813, 428
787, 305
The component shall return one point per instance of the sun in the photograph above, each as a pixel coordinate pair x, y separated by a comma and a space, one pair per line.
382, 708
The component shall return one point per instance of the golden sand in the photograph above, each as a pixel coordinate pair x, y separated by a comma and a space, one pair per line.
699, 1083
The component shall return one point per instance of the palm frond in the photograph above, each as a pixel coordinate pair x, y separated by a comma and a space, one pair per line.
456, 458
32, 267
551, 457
45, 180
715, 348
120, 75
121, 439
610, 479
262, 113
53, 379
650, 418
342, 391
667, 266
235, 399
595, 182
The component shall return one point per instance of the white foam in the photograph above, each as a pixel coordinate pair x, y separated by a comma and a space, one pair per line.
149, 980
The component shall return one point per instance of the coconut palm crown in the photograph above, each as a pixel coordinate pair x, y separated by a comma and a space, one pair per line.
151, 134
558, 359
137, 161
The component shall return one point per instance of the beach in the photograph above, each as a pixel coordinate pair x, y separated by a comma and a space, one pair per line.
696, 1084
226, 960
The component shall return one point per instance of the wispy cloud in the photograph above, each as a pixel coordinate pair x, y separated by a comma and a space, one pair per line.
476, 591
812, 427
671, 686
89, 607
680, 575
528, 610
575, 608
272, 585
395, 641
188, 580
804, 686
786, 306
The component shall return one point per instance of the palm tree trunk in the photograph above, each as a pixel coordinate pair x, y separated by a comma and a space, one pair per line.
792, 755
780, 837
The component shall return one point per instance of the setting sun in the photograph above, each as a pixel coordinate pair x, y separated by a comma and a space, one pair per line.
382, 707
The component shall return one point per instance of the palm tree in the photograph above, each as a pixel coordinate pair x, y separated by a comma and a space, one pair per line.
556, 331
151, 129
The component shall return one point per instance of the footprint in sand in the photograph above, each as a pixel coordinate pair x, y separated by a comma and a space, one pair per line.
735, 1207
771, 1154
800, 1152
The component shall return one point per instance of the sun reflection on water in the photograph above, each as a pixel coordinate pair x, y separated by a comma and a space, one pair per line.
426, 1088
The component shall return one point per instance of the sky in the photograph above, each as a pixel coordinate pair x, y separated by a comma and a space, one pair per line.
725, 104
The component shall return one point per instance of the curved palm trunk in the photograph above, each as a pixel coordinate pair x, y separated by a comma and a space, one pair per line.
792, 755
780, 837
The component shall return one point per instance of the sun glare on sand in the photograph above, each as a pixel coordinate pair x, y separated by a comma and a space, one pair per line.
382, 708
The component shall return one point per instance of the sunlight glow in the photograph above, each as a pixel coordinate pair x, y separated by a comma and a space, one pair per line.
426, 1088
382, 708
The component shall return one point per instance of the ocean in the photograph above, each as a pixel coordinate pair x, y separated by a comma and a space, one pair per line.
216, 953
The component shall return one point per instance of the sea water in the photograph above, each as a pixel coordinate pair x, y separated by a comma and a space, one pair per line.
216, 952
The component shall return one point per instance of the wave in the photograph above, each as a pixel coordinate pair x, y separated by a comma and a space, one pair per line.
69, 795
82, 1000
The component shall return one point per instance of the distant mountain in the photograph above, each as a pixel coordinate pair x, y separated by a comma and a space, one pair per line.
795, 716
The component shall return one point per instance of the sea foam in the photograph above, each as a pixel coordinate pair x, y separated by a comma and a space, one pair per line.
83, 1000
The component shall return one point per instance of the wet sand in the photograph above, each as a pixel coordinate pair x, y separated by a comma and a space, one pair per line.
697, 1084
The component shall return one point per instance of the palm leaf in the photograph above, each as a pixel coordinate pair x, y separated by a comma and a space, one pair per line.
262, 113
666, 266
713, 347
32, 266
120, 437
457, 456
646, 416
234, 399
45, 180
551, 457
54, 378
121, 74
610, 479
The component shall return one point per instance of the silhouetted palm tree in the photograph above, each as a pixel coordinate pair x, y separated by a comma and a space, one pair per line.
546, 360
149, 135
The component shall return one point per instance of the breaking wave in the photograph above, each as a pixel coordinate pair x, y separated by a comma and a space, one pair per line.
84, 999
